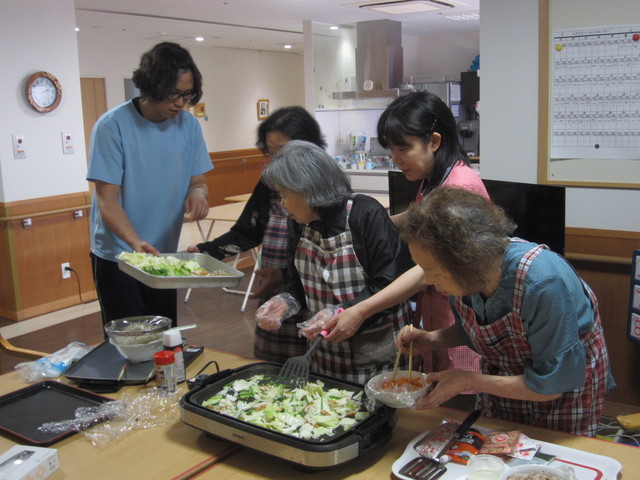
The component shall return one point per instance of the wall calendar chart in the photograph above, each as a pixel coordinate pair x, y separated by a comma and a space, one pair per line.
596, 93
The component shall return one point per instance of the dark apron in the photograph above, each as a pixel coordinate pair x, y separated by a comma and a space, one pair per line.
284, 343
332, 274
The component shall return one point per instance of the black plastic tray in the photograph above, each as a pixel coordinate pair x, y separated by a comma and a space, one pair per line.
102, 366
104, 363
23, 411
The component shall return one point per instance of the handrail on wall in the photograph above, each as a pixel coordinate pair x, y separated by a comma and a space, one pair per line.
44, 214
598, 258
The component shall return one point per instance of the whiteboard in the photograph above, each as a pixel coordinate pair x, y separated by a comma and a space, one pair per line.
594, 112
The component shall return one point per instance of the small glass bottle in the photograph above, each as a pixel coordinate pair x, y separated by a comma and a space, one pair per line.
164, 362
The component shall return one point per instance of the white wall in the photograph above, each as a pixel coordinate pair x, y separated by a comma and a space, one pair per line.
438, 55
44, 42
509, 101
233, 81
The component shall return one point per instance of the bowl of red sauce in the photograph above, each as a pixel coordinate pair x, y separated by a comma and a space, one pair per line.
397, 391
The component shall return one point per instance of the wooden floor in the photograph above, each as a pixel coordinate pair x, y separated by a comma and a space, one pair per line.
221, 325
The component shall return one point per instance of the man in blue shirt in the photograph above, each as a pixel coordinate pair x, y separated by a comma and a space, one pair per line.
147, 160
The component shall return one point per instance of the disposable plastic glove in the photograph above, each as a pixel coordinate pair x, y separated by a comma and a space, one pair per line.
312, 327
271, 313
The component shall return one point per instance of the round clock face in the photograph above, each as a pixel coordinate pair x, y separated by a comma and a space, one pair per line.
43, 92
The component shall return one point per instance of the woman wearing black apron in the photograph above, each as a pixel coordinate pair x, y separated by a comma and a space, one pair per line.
342, 249
264, 221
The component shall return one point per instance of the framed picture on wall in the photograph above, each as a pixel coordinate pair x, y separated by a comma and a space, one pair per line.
263, 108
199, 110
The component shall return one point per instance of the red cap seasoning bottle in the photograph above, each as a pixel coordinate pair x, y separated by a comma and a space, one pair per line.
164, 362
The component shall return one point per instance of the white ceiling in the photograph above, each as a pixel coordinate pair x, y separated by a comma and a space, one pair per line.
253, 24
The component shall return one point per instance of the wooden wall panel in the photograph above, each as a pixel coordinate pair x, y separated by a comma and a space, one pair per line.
94, 104
235, 172
608, 273
7, 300
33, 256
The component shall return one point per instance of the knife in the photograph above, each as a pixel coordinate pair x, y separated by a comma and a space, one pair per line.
459, 432
18, 459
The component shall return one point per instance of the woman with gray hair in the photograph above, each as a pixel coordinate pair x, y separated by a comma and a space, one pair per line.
342, 248
522, 307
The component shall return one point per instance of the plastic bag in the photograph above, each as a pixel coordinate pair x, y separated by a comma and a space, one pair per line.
53, 365
86, 417
113, 420
270, 314
311, 328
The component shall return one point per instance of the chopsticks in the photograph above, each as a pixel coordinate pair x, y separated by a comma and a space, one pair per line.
122, 371
410, 353
395, 366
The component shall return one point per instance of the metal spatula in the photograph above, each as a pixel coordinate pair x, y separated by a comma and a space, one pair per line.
295, 370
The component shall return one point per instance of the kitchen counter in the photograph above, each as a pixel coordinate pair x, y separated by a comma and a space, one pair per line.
374, 171
371, 182
178, 451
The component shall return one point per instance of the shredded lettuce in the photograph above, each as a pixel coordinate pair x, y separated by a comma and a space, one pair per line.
165, 266
307, 413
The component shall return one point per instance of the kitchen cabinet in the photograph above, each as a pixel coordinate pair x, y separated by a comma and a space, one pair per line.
234, 172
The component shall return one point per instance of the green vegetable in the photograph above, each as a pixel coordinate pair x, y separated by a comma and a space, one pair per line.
166, 266
307, 412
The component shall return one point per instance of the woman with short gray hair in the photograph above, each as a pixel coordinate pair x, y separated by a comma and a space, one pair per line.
342, 248
308, 169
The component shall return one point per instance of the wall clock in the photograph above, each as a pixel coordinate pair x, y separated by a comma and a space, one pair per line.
43, 92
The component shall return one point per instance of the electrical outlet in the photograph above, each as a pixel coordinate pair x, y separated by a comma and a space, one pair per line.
65, 273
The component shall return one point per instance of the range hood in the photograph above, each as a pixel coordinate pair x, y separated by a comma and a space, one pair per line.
379, 59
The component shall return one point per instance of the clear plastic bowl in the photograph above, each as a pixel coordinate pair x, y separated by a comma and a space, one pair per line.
137, 330
137, 353
396, 397
483, 467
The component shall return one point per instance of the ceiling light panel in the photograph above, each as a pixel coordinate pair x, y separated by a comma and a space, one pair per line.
462, 16
404, 8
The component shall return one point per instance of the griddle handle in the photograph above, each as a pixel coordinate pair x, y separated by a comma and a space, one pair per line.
374, 431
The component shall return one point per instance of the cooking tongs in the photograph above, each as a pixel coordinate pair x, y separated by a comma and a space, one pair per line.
422, 468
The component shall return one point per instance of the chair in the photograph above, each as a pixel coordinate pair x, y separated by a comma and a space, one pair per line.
255, 252
8, 347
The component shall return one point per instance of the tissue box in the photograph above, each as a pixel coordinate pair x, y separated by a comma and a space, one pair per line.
34, 466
